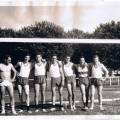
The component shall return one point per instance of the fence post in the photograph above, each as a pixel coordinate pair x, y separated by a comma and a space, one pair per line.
118, 80
110, 81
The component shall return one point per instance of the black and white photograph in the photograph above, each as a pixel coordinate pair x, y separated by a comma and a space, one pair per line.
60, 59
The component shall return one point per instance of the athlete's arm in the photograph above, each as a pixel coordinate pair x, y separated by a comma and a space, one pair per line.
105, 71
62, 75
32, 66
46, 70
17, 65
47, 66
59, 63
14, 73
74, 70
88, 66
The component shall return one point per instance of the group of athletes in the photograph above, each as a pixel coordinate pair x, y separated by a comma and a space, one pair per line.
90, 77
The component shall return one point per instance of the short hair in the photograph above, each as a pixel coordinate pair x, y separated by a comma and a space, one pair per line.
68, 55
6, 57
38, 53
54, 55
82, 57
96, 56
26, 54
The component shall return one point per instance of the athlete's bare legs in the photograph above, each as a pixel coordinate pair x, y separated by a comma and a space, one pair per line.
20, 96
70, 95
73, 94
2, 99
99, 88
92, 96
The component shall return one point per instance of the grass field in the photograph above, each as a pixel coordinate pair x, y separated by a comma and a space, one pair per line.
110, 104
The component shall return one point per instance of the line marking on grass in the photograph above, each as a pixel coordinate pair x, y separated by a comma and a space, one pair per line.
117, 92
104, 100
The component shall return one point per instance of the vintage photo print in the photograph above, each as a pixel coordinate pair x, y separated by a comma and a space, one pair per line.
59, 59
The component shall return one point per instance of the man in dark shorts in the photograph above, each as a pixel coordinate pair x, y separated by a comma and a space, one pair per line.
83, 73
23, 80
96, 70
40, 80
57, 79
70, 74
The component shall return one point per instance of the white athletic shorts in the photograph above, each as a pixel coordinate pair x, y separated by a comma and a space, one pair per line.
6, 83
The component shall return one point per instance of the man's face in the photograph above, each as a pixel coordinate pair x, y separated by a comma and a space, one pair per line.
27, 58
96, 60
67, 59
8, 60
54, 59
38, 58
82, 60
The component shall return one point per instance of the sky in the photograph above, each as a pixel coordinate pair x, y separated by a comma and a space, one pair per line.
82, 15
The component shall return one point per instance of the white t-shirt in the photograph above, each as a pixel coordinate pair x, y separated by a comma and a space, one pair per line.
83, 72
24, 69
55, 70
39, 69
5, 71
97, 71
68, 71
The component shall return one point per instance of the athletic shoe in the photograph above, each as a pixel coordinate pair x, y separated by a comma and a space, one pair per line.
62, 109
85, 108
21, 111
53, 109
36, 110
29, 111
74, 108
91, 108
101, 108
71, 108
14, 112
3, 112
44, 110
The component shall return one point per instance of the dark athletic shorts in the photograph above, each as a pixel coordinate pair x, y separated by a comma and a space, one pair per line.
84, 81
22, 81
39, 79
56, 82
96, 82
70, 79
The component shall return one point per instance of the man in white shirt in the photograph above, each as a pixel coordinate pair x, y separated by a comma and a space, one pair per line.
39, 67
6, 82
23, 80
96, 70
70, 74
57, 79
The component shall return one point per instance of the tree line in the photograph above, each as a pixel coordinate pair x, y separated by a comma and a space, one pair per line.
109, 54
47, 29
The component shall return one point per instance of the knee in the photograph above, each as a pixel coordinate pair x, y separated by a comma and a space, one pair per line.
11, 96
100, 94
2, 97
20, 93
43, 94
70, 94
36, 94
53, 93
27, 94
92, 95
83, 94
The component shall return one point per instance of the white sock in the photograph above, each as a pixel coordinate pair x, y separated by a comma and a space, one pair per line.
13, 108
3, 108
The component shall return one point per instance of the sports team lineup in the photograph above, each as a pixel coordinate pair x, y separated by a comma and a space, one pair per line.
90, 78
